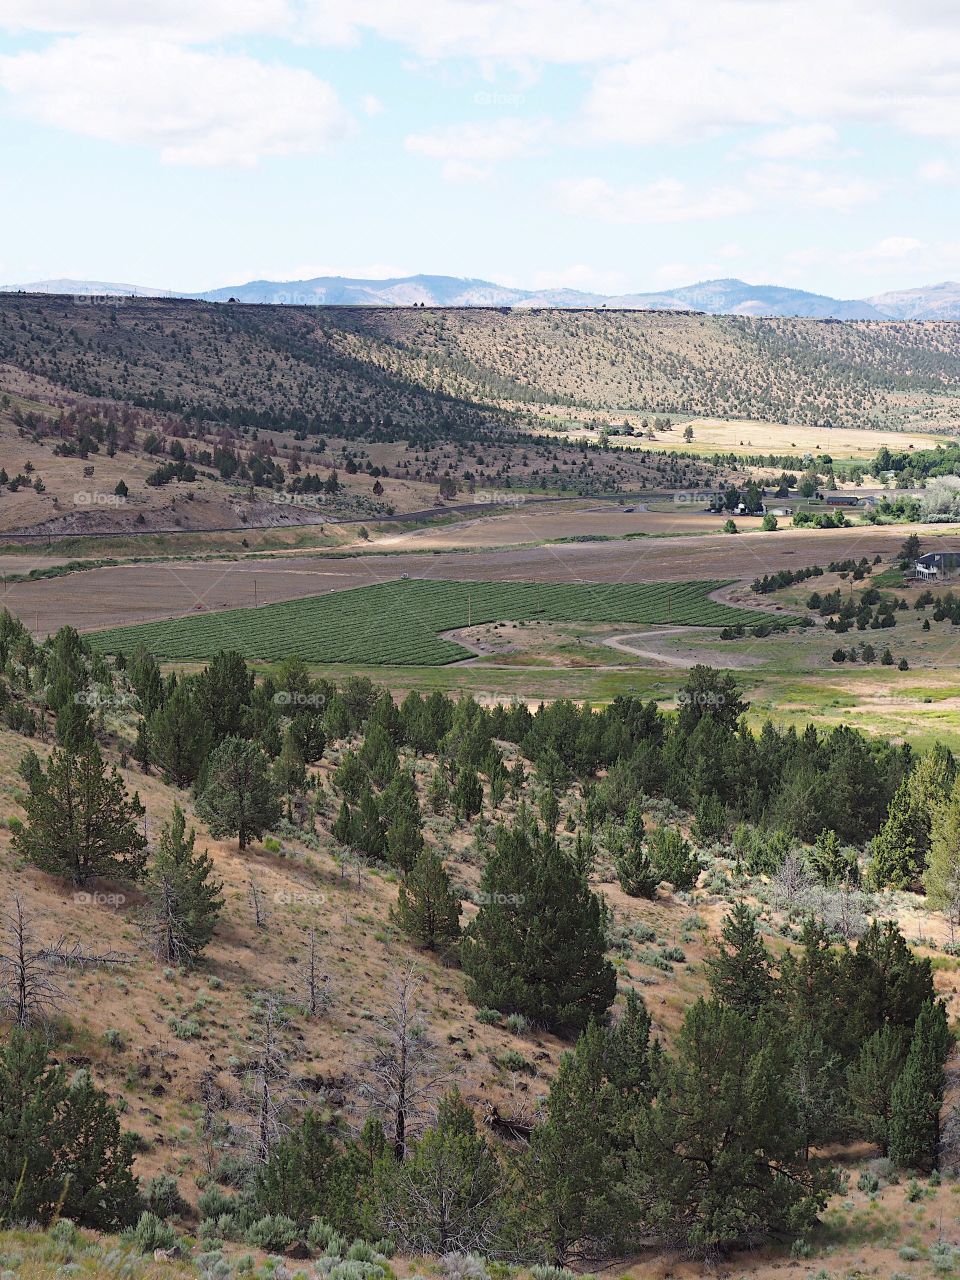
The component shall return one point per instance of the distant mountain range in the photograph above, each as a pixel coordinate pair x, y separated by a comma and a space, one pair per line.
716, 297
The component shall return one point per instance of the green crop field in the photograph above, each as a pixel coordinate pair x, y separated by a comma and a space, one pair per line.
397, 623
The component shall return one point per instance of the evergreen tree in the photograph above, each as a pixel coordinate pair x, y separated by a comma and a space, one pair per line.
378, 755
467, 795
828, 860
370, 837
570, 1172
942, 876
447, 1195
146, 680
636, 873
80, 821
815, 1086
870, 1082
630, 1058
61, 1149
537, 944
739, 969
289, 770
296, 1180
720, 1151
884, 981
179, 736
185, 900
141, 747
673, 858
918, 1094
404, 841
223, 691
427, 908
239, 797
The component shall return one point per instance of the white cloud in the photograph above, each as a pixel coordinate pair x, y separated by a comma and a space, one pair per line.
688, 70
669, 200
664, 201
372, 106
940, 172
182, 20
469, 151
896, 247
196, 108
799, 142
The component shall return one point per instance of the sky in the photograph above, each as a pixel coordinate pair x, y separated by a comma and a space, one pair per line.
608, 145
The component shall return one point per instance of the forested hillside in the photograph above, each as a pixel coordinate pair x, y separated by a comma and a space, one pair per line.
393, 374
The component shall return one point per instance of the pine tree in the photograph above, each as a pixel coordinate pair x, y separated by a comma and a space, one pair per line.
467, 795
569, 1173
185, 900
673, 858
61, 1149
537, 945
239, 798
289, 770
447, 1195
427, 908
870, 1083
295, 1181
739, 970
942, 876
918, 1094
636, 873
80, 821
720, 1152
179, 736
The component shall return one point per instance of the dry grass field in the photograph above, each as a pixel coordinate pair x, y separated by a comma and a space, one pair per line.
745, 436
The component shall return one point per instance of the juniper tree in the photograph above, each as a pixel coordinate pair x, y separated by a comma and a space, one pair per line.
942, 876
239, 797
447, 1196
62, 1152
673, 857
537, 945
185, 899
720, 1152
427, 908
918, 1094
80, 820
870, 1082
636, 873
178, 736
570, 1173
467, 795
739, 970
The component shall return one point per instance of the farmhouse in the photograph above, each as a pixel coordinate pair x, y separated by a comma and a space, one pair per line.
935, 565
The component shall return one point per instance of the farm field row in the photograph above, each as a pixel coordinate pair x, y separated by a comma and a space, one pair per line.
399, 623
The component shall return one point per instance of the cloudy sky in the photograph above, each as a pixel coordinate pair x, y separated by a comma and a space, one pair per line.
602, 144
